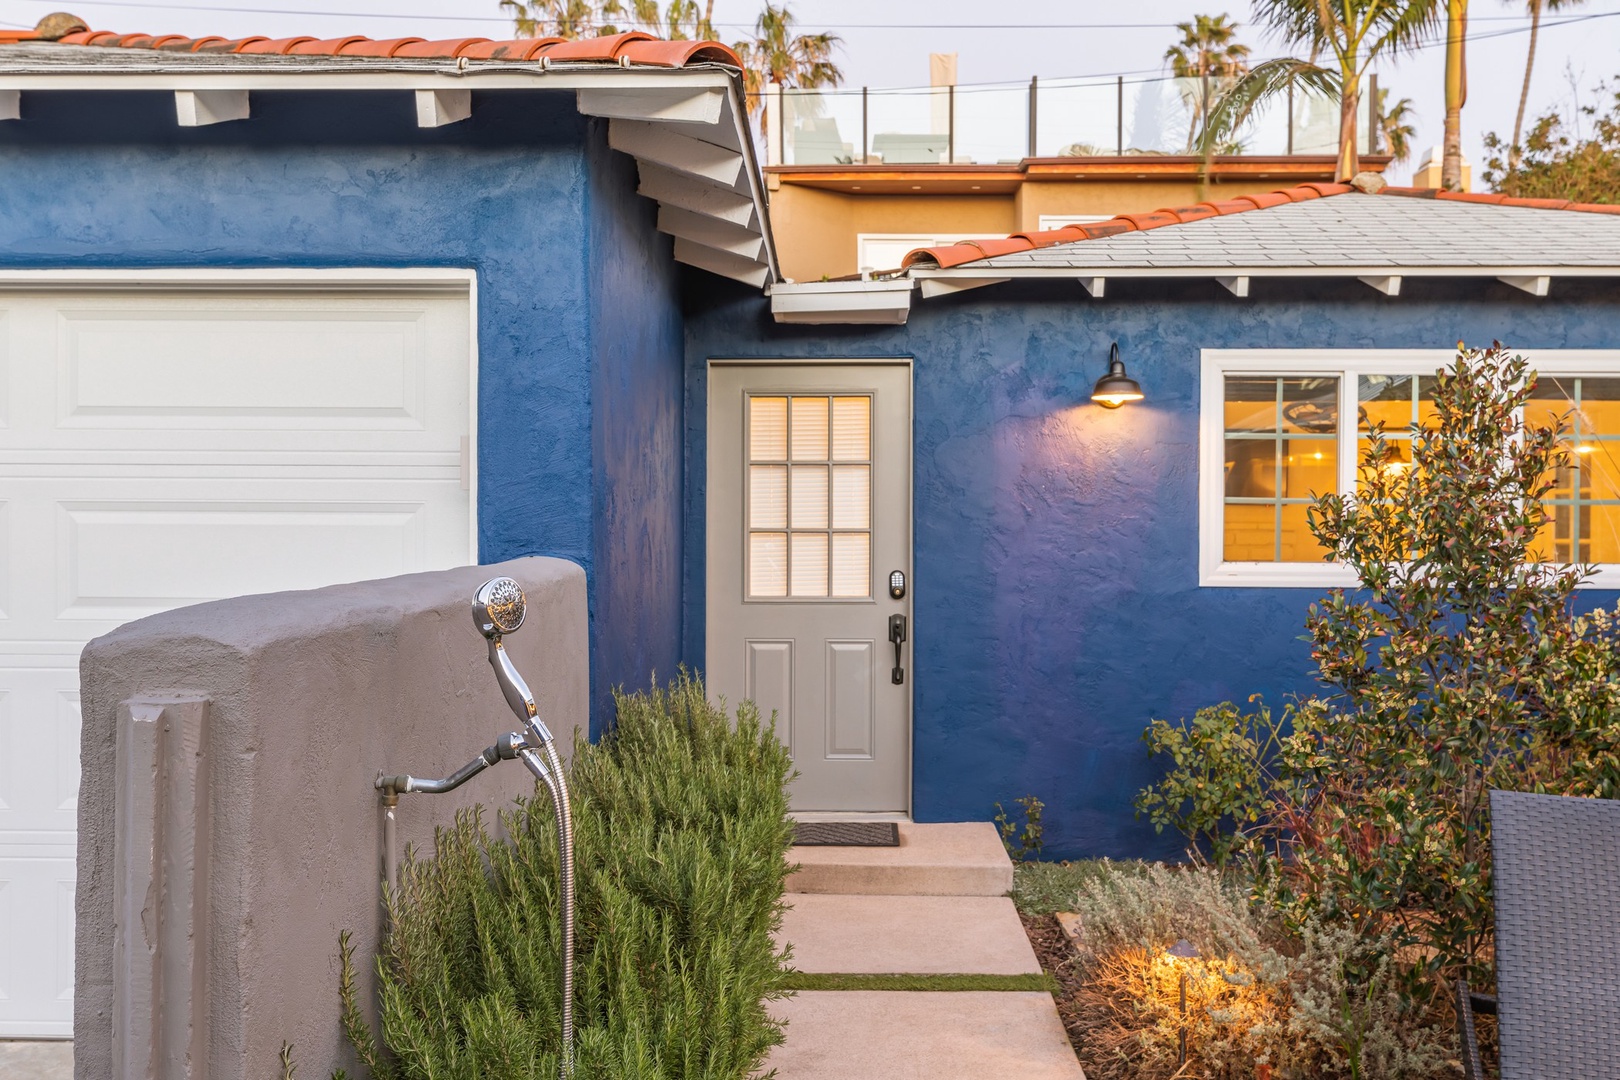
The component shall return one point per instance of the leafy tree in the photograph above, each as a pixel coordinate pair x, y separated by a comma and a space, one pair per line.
778, 54
1556, 166
1458, 666
1536, 8
1210, 53
1355, 33
1396, 128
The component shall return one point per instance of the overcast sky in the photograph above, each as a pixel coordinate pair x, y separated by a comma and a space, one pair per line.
887, 42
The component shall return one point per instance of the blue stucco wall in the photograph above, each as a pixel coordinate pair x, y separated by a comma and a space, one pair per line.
1056, 544
579, 327
638, 366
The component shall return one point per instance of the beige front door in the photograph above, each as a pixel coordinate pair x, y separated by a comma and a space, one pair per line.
809, 541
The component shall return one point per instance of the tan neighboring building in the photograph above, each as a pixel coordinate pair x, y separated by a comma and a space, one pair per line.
838, 220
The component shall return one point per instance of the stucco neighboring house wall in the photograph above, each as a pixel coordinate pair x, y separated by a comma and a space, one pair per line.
578, 327
1056, 573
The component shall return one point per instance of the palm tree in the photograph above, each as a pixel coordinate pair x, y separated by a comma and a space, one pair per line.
1515, 149
592, 18
776, 54
1456, 94
1207, 50
1396, 129
1356, 32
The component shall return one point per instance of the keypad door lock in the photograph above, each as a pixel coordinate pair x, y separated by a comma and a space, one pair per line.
897, 635
897, 585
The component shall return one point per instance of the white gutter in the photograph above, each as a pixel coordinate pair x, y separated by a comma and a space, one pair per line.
848, 303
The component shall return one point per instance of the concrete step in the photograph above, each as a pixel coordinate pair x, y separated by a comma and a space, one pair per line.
890, 1035
25, 1059
907, 935
951, 859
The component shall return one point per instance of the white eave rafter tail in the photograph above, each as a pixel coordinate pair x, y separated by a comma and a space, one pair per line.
687, 127
1532, 279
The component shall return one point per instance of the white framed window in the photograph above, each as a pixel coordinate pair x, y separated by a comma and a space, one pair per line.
1281, 426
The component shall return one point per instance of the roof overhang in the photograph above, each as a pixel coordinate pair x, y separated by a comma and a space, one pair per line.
886, 303
1534, 280
686, 127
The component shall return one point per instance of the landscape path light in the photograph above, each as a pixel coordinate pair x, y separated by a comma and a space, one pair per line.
1181, 952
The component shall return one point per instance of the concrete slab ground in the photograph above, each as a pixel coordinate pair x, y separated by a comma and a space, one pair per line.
882, 1035
24, 1059
908, 935
950, 859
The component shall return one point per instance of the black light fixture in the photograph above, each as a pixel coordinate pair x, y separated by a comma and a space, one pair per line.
1179, 953
1115, 388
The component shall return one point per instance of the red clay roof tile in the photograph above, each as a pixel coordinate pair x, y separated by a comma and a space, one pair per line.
280, 46
1326, 188
1155, 220
326, 47
1192, 213
225, 45
596, 48
446, 47
520, 49
368, 47
1538, 204
674, 54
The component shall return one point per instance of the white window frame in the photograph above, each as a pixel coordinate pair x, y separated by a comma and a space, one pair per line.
1216, 364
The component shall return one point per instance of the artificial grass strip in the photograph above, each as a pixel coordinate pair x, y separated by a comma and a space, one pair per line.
801, 980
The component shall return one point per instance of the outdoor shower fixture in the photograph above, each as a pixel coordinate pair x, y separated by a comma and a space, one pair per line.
497, 610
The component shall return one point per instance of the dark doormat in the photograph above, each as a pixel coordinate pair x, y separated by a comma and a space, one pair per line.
846, 834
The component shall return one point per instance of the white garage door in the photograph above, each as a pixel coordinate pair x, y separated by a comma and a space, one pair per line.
160, 448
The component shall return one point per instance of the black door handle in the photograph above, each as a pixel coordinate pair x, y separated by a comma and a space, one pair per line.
897, 634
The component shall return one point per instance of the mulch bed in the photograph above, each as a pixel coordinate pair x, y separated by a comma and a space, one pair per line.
1053, 950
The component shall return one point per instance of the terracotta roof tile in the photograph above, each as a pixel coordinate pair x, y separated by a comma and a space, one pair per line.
634, 47
326, 47
368, 47
273, 45
520, 49
442, 47
967, 251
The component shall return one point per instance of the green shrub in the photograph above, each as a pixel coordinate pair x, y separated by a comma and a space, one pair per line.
1030, 837
1259, 992
1221, 780
681, 836
1459, 666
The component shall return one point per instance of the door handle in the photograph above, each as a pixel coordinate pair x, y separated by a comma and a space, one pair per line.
897, 634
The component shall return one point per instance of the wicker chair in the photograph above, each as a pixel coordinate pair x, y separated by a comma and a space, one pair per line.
1557, 883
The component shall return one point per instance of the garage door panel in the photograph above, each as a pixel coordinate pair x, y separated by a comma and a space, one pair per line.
169, 448
39, 747
242, 368
126, 560
36, 967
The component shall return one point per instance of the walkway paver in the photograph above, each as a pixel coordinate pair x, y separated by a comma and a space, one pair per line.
27, 1059
886, 1035
955, 859
909, 935
935, 905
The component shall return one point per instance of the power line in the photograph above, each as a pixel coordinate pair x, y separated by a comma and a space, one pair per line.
739, 26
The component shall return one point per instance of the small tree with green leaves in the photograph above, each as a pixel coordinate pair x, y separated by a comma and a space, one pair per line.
1458, 666
1562, 157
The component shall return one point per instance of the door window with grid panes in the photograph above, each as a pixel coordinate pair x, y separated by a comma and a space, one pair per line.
1281, 427
809, 492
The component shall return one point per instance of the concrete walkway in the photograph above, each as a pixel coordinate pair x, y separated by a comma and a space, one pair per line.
25, 1059
935, 905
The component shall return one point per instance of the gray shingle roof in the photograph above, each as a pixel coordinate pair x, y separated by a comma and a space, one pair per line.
1352, 231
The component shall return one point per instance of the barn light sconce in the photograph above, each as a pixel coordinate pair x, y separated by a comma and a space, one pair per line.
1115, 388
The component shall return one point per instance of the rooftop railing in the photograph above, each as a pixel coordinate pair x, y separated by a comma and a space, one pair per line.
1005, 123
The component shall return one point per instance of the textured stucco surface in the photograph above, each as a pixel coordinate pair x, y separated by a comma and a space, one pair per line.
310, 695
579, 326
1056, 566
637, 377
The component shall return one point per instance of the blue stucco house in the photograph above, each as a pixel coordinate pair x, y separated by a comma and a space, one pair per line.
276, 313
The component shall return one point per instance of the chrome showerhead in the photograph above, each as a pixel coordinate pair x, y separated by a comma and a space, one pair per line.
498, 607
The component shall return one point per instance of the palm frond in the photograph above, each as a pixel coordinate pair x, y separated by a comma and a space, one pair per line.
1263, 82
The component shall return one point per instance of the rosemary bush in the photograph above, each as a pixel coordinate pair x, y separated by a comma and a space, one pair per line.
681, 836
